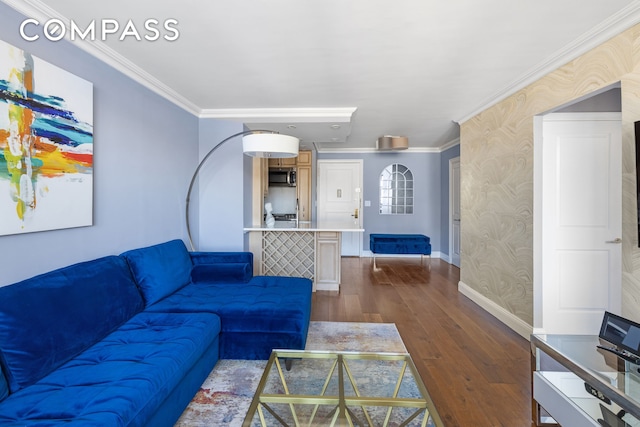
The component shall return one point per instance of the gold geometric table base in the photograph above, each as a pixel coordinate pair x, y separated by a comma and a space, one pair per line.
341, 388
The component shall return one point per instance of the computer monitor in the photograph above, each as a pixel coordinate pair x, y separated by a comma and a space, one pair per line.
621, 332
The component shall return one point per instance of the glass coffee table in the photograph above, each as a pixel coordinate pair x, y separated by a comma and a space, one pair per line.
328, 388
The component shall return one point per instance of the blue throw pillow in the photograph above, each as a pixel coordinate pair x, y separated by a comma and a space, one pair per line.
160, 270
229, 272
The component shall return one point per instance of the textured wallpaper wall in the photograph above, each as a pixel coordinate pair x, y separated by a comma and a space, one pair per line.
497, 177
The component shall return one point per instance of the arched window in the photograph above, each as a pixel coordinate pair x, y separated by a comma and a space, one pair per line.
396, 190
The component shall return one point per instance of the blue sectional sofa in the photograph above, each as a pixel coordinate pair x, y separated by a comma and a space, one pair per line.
128, 340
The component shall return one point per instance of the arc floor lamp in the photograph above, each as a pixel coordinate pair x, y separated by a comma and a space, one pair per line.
255, 143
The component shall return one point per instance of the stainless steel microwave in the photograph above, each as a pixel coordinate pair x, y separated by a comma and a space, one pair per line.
282, 177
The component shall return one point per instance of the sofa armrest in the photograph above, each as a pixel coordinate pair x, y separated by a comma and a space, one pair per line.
222, 272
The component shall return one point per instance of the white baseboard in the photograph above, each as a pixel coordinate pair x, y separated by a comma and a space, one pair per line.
518, 325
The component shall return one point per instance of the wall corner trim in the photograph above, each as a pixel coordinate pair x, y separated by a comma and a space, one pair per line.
509, 319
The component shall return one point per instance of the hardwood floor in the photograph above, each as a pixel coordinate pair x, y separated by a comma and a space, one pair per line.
476, 369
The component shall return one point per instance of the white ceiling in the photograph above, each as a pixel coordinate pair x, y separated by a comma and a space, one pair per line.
407, 67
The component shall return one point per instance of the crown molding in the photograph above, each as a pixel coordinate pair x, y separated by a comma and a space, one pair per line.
38, 10
614, 25
412, 150
282, 115
450, 144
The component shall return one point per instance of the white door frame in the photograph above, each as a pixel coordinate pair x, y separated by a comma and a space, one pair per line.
453, 258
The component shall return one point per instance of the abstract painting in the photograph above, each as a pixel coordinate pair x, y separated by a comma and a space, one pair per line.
46, 145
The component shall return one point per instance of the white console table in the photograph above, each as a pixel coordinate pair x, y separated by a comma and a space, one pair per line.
561, 365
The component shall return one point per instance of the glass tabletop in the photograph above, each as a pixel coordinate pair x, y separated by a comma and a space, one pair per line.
590, 358
341, 388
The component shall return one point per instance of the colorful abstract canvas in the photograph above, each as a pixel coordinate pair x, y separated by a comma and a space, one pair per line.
46, 145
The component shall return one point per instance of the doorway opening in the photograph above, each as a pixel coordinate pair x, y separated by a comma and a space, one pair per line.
577, 214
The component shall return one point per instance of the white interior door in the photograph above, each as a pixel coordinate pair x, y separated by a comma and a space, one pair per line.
340, 198
454, 211
581, 221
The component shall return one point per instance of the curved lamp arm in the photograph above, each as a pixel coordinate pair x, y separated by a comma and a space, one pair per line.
197, 171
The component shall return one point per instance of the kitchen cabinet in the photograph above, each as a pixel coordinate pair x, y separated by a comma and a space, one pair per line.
328, 260
287, 162
304, 158
308, 249
303, 184
304, 176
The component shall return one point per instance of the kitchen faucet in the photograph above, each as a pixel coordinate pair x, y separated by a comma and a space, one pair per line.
297, 207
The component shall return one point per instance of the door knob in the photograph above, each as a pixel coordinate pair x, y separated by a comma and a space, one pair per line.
616, 240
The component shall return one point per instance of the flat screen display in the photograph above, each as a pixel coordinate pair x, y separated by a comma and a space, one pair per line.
621, 332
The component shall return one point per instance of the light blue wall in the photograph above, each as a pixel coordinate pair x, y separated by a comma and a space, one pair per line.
145, 149
427, 187
222, 189
445, 156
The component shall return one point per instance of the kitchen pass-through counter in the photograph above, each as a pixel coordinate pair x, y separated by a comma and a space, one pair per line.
305, 249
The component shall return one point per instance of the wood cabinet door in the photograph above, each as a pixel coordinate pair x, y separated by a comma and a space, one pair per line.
304, 158
304, 193
288, 162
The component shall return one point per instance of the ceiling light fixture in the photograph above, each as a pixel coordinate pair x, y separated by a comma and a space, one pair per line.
392, 143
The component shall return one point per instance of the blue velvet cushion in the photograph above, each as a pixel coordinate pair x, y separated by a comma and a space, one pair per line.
4, 387
400, 244
265, 313
126, 378
218, 257
160, 270
223, 272
49, 319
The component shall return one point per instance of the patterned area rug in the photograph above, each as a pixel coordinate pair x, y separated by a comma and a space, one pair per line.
224, 398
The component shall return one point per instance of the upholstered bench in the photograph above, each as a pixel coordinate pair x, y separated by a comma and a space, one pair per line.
414, 244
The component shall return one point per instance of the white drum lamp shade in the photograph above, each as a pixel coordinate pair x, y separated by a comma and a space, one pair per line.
273, 145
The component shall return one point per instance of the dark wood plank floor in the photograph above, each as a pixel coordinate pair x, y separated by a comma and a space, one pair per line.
476, 369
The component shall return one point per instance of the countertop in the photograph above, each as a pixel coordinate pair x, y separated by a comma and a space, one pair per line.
310, 226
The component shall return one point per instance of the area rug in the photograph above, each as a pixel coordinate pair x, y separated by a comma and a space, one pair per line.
225, 396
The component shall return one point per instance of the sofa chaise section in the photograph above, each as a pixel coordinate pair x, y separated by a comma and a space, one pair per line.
257, 313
